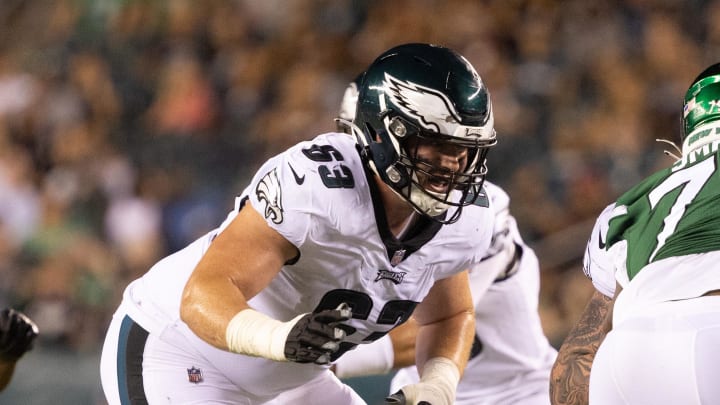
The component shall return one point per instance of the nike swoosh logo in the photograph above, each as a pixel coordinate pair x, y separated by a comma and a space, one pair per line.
601, 243
299, 180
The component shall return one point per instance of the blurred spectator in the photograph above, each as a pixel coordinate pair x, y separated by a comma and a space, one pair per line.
20, 204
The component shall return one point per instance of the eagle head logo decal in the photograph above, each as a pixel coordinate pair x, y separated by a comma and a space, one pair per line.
439, 113
268, 190
432, 109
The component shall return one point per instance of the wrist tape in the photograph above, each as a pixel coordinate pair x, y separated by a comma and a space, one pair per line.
255, 334
443, 374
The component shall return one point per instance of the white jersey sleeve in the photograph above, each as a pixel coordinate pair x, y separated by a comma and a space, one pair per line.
499, 260
503, 234
281, 192
598, 262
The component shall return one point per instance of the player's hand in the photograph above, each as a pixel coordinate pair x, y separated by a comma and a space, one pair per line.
17, 334
417, 394
437, 386
315, 337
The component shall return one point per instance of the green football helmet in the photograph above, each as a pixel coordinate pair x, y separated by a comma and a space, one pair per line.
432, 93
701, 112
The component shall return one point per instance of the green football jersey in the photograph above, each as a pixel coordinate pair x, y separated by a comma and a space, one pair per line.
673, 212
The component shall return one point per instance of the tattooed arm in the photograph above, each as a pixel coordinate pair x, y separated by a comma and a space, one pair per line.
570, 376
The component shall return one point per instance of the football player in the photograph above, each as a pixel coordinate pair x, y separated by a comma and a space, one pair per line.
650, 334
334, 242
511, 357
17, 336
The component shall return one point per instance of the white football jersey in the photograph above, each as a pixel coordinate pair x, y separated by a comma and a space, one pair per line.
318, 195
512, 357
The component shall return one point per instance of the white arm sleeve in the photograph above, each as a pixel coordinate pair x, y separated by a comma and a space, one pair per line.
370, 359
597, 262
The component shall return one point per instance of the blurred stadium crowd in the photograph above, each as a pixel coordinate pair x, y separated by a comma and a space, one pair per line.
127, 127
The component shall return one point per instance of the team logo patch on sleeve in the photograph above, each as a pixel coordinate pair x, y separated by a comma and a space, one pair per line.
269, 191
194, 375
395, 276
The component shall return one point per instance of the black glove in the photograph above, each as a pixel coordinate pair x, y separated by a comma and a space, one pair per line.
398, 398
17, 334
315, 337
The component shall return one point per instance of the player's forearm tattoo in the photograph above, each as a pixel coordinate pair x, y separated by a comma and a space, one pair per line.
570, 375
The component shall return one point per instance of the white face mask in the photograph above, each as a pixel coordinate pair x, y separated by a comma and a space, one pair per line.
427, 204
424, 203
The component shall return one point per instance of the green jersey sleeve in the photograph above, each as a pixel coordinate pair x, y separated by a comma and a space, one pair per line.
673, 212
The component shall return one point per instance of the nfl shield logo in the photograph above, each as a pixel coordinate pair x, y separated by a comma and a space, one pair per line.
397, 257
194, 375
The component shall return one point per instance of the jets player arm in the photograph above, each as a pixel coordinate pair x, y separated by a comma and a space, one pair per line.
570, 375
